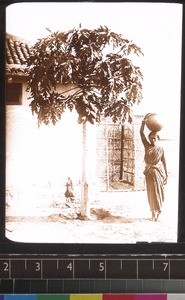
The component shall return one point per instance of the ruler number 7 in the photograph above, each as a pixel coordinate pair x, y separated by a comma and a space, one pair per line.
165, 266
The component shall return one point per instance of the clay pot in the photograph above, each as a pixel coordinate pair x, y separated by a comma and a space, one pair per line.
154, 123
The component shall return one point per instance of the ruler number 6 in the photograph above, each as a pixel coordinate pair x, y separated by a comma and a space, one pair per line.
6, 266
101, 267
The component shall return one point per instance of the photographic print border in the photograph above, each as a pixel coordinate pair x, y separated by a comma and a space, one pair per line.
140, 248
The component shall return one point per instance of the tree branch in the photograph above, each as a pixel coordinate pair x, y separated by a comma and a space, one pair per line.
70, 90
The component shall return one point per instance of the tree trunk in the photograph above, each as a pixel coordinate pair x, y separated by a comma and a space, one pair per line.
85, 210
121, 160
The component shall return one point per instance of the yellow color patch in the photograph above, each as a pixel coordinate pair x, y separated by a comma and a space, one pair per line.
86, 297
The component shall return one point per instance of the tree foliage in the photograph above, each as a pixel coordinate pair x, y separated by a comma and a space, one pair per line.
96, 63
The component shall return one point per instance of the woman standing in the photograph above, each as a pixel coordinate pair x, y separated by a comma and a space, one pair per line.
155, 170
69, 190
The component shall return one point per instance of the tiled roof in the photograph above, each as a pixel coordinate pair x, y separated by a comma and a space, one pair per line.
17, 52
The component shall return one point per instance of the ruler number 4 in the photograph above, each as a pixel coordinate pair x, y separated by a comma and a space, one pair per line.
70, 266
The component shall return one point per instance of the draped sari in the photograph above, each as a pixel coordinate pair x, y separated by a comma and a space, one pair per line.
155, 175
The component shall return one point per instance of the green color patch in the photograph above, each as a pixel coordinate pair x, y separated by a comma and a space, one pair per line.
53, 297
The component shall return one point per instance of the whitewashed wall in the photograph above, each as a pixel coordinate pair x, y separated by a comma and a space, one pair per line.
39, 160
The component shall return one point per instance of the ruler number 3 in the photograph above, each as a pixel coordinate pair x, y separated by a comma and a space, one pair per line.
37, 269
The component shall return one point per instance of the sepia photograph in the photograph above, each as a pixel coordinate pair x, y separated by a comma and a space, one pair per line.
93, 101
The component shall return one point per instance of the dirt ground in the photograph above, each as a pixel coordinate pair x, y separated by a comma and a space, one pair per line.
116, 217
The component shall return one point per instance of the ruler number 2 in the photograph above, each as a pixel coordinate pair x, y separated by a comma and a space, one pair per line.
6, 266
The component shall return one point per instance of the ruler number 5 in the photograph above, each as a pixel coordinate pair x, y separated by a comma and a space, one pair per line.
101, 267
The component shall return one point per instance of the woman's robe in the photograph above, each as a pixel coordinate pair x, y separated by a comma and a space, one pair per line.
155, 175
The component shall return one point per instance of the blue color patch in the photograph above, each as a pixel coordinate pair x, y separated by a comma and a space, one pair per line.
20, 297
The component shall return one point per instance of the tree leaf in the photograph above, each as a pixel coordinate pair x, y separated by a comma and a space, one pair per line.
101, 78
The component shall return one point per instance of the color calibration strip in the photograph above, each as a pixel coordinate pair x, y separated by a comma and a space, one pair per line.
95, 297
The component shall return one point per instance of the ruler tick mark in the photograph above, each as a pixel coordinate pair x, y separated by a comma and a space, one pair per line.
46, 286
13, 286
89, 264
169, 271
57, 264
25, 264
73, 264
121, 264
10, 269
41, 268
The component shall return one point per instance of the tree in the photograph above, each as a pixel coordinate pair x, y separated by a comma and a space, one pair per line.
98, 64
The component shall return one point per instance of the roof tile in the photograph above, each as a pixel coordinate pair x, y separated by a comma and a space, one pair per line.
17, 52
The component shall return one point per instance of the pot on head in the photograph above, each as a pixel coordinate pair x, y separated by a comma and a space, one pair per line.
154, 122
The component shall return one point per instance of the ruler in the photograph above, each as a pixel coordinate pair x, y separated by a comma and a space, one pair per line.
91, 268
55, 273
